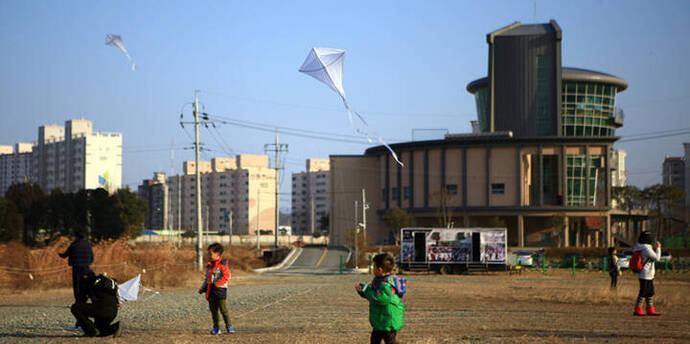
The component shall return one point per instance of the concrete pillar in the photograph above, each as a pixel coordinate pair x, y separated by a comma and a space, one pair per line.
521, 230
566, 232
608, 240
588, 239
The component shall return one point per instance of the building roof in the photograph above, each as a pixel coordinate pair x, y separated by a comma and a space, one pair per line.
503, 139
567, 74
517, 29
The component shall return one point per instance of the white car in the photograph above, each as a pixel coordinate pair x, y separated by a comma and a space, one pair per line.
624, 259
524, 258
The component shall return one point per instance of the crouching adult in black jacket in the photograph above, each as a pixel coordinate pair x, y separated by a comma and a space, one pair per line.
103, 307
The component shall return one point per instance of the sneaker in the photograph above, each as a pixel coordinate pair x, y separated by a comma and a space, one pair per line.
216, 330
230, 330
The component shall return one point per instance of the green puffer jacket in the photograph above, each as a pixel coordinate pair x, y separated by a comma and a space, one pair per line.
385, 308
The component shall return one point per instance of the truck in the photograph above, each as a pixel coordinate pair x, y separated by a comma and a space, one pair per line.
453, 250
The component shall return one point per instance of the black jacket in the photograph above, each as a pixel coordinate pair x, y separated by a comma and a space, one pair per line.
99, 298
79, 253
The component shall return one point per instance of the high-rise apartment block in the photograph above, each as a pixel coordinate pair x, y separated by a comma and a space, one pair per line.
237, 192
310, 200
70, 158
15, 165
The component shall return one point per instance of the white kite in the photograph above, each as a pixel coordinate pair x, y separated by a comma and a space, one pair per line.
326, 65
116, 41
129, 291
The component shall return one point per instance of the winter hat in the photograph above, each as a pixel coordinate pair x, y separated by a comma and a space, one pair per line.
645, 238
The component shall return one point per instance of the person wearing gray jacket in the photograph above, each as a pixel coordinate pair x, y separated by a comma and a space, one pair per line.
649, 258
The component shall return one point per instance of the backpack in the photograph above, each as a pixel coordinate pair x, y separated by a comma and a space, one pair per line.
636, 262
105, 284
400, 285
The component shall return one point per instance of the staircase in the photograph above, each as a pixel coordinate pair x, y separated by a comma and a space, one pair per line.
419, 267
477, 268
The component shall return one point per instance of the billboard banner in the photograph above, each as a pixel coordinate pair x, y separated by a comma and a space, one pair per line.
449, 245
493, 246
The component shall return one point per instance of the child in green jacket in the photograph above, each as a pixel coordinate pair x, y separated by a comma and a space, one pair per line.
384, 293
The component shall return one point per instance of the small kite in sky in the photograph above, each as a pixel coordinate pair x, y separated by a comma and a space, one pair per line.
116, 41
326, 65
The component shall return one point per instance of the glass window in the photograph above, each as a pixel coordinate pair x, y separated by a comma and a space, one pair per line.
498, 188
452, 189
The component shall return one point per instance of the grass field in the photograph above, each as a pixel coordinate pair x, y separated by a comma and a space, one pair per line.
500, 308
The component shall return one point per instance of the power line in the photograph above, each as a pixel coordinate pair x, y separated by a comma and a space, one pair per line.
654, 137
336, 109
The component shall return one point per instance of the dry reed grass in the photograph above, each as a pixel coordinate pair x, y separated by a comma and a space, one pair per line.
584, 288
161, 264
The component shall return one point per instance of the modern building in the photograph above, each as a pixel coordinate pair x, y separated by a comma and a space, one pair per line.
15, 165
310, 199
70, 158
539, 164
237, 195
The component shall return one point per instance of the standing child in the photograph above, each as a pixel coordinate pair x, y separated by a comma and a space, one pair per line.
643, 249
216, 287
386, 311
614, 269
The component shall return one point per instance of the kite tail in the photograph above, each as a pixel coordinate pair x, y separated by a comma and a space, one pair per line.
370, 129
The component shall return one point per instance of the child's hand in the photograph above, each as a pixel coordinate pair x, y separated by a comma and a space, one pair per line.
358, 287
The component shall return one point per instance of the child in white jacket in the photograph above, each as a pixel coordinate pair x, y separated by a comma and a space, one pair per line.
649, 257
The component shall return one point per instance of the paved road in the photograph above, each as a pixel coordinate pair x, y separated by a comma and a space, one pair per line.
317, 260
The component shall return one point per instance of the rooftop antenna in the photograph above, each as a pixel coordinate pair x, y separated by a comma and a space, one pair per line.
535, 11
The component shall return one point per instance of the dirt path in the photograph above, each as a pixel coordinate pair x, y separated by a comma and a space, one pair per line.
325, 309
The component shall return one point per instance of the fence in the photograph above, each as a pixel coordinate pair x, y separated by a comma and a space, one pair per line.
240, 240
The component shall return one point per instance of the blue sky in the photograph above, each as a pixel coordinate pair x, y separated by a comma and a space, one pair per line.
407, 66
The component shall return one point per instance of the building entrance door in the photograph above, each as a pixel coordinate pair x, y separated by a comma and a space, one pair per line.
420, 247
476, 247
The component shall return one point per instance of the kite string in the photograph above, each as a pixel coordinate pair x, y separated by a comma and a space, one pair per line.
370, 129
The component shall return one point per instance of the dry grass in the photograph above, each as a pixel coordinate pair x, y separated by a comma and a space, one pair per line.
161, 264
586, 288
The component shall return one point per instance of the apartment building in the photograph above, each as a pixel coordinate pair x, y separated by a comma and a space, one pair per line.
235, 192
310, 198
70, 157
15, 165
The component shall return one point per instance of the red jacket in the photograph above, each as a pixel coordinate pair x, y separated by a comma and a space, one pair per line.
216, 279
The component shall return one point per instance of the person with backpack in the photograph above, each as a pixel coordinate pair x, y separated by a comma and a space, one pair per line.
642, 262
102, 292
215, 288
386, 310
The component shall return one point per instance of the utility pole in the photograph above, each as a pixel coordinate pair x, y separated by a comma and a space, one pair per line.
356, 234
258, 216
199, 251
365, 206
277, 149
312, 216
231, 215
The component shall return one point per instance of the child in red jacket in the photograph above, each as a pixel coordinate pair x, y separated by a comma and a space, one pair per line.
216, 287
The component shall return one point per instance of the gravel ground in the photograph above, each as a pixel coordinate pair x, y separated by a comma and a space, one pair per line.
326, 309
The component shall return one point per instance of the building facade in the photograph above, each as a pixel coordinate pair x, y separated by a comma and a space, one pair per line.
673, 173
70, 158
15, 165
310, 196
540, 162
155, 193
237, 195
